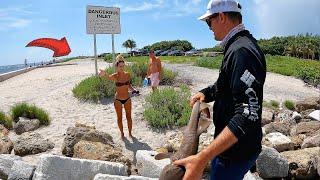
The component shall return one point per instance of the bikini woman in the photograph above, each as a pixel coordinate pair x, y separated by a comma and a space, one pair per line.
122, 98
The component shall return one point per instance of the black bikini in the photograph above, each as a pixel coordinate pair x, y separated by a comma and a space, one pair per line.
118, 84
122, 101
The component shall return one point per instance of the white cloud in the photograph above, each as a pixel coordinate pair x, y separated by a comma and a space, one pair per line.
165, 8
286, 17
14, 17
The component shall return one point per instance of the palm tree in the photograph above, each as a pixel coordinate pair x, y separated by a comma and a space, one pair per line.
130, 43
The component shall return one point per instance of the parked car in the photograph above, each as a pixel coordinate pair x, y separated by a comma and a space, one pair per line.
165, 53
193, 52
144, 52
158, 52
176, 53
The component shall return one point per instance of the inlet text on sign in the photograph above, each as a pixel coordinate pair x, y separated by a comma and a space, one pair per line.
103, 20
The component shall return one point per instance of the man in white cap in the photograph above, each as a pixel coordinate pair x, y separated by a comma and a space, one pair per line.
238, 96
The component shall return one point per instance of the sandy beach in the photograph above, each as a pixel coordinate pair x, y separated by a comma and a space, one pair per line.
51, 89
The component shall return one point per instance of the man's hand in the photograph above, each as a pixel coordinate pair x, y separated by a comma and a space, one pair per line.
197, 97
102, 73
194, 167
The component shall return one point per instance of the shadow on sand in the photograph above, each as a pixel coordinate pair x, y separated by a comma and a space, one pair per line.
135, 145
106, 101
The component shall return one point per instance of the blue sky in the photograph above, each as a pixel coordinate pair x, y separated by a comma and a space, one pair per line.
145, 21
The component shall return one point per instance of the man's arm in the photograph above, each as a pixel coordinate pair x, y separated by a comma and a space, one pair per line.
209, 93
221, 143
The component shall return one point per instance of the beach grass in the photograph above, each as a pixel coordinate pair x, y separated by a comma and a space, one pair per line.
29, 111
5, 120
289, 105
304, 69
95, 88
168, 107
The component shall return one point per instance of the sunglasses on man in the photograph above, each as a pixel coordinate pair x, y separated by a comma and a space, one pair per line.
208, 20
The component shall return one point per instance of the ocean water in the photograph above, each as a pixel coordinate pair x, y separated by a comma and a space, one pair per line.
9, 68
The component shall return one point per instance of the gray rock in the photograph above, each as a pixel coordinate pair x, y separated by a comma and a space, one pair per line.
267, 116
313, 141
21, 170
26, 125
98, 151
296, 116
115, 177
315, 115
271, 164
309, 103
52, 167
302, 163
279, 141
305, 128
280, 127
6, 144
284, 116
251, 176
31, 143
6, 162
148, 166
306, 113
76, 134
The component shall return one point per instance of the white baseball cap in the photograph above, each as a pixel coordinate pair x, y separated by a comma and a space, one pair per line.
217, 6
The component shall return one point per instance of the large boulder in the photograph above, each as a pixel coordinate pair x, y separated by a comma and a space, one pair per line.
31, 143
309, 103
305, 128
315, 115
148, 166
305, 114
296, 116
6, 163
271, 164
302, 163
279, 142
115, 177
267, 117
313, 141
57, 167
76, 134
26, 125
285, 116
297, 140
21, 170
99, 151
6, 144
280, 127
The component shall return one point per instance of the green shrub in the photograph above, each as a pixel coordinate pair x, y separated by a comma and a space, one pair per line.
168, 107
167, 77
309, 75
274, 103
108, 58
94, 88
6, 121
31, 112
209, 62
289, 105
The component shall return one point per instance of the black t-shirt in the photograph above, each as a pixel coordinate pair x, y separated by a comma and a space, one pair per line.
238, 95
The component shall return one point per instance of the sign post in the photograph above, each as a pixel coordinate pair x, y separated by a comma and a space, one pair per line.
103, 20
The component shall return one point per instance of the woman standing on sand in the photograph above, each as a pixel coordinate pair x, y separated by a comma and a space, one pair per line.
122, 98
